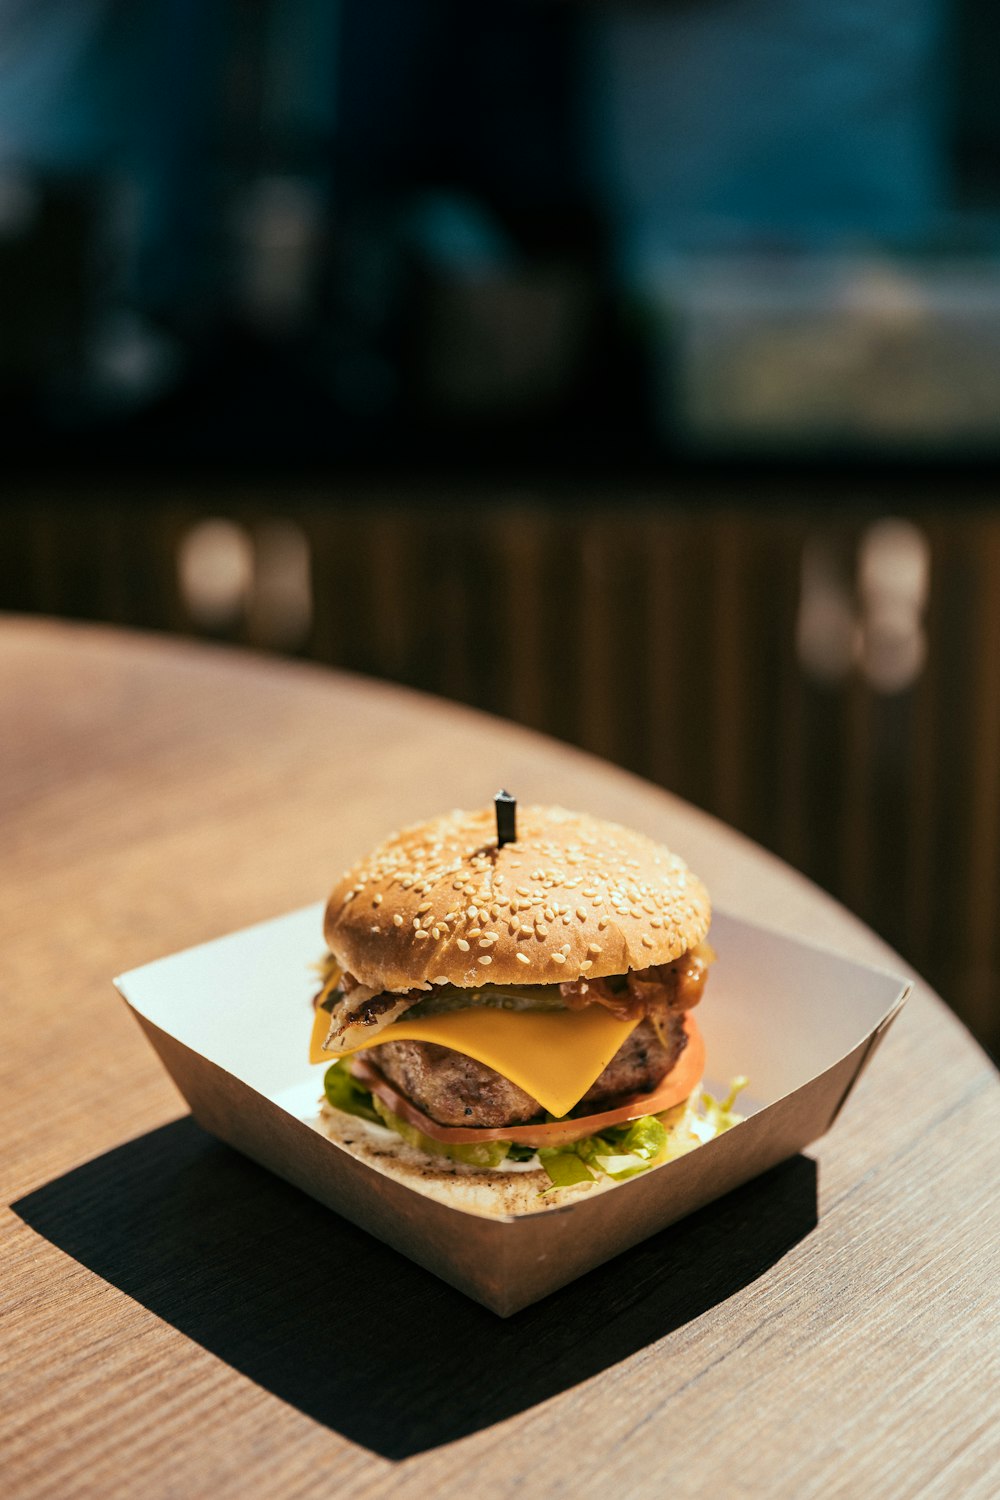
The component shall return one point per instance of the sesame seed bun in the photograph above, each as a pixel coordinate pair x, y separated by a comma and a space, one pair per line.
574, 897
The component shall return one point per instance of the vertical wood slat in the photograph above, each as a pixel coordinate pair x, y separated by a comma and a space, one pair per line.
782, 783
854, 851
923, 801
678, 548
982, 881
951, 786
392, 590
335, 575
734, 638
519, 537
670, 615
595, 603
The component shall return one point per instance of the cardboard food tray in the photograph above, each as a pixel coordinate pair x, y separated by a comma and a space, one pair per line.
231, 1019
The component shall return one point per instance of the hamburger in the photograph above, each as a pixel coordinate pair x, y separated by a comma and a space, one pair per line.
517, 1010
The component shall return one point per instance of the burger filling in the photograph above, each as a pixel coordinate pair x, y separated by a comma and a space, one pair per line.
452, 1089
358, 1013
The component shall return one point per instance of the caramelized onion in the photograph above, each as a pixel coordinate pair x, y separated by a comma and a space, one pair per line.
357, 1017
677, 986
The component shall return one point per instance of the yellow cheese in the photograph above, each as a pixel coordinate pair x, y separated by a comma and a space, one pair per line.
554, 1055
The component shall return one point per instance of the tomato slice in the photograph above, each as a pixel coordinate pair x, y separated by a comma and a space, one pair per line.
679, 1083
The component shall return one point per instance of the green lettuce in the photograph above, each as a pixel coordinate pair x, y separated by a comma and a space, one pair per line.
626, 1150
348, 1093
476, 1154
620, 1152
722, 1115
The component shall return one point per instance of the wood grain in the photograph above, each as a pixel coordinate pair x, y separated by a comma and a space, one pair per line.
178, 1323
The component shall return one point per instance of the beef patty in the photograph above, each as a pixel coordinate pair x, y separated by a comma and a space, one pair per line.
456, 1090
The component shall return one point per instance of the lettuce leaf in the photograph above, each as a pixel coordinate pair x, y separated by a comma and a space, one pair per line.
722, 1114
620, 1152
476, 1154
564, 1168
346, 1092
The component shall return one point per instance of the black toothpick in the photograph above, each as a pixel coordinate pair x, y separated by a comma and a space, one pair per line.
506, 807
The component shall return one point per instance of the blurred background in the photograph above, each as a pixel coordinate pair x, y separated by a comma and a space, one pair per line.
629, 370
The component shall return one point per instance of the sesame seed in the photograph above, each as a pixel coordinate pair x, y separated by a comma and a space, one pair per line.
603, 922
421, 932
435, 932
397, 920
485, 958
565, 948
440, 979
523, 958
558, 958
595, 949
373, 929
377, 899
541, 929
424, 906
581, 913
488, 940
550, 915
647, 940
588, 963
463, 945
475, 931
472, 913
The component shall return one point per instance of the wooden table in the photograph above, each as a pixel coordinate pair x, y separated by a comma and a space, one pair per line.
178, 1323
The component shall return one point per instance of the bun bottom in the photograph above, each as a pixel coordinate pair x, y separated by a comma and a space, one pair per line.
490, 1193
496, 1192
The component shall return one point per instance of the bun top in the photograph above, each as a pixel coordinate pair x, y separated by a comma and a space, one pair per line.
574, 897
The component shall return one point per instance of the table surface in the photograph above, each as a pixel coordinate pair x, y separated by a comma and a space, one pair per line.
179, 1323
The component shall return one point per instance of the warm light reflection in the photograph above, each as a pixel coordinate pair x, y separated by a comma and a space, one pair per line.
215, 566
893, 582
871, 621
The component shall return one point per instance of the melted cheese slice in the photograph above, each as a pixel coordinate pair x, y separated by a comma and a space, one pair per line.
553, 1055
